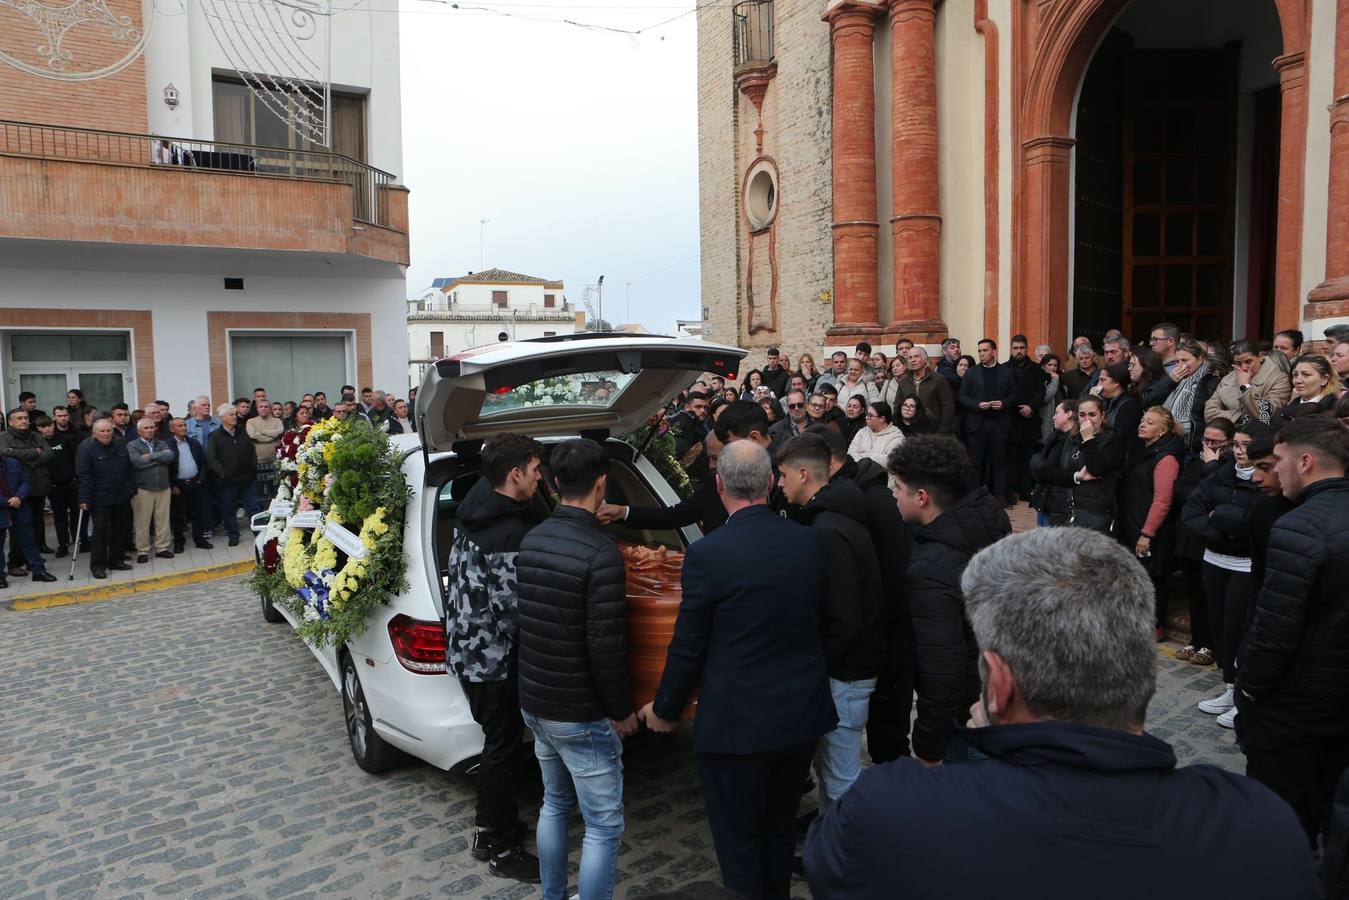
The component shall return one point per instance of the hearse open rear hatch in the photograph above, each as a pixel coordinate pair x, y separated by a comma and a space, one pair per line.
588, 382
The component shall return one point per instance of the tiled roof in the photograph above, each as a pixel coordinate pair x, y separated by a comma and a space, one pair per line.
494, 276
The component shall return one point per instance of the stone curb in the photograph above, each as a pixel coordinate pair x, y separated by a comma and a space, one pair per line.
94, 592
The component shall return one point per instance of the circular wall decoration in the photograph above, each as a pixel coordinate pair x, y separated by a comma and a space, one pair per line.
761, 194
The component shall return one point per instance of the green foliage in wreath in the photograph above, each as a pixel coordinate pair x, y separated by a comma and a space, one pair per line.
657, 444
362, 489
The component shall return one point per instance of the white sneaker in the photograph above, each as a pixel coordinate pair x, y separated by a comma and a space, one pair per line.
1220, 704
1229, 718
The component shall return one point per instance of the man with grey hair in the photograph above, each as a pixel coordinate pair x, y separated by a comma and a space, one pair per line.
751, 633
1063, 779
1335, 335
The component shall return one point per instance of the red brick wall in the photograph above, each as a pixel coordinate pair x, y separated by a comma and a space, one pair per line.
76, 201
114, 103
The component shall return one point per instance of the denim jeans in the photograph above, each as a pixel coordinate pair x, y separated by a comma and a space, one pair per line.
231, 497
838, 758
582, 762
1041, 520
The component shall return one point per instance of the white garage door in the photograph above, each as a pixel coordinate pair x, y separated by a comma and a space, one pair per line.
288, 367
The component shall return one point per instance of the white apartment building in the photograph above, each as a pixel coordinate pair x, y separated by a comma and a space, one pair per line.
166, 231
455, 314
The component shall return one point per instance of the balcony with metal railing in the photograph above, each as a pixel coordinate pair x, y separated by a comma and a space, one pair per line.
75, 184
752, 21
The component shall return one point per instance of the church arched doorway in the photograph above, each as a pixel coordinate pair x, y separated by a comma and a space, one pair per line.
1161, 159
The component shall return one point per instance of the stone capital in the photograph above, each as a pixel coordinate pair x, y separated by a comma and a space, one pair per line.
902, 11
853, 12
1292, 69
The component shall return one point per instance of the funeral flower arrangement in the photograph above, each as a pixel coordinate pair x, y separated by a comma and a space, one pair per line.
345, 471
656, 443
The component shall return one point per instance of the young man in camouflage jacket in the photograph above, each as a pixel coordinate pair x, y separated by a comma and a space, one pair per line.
483, 630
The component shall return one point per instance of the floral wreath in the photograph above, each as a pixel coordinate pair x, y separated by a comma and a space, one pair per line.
345, 470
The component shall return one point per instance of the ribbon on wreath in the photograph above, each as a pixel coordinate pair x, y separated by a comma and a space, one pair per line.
314, 592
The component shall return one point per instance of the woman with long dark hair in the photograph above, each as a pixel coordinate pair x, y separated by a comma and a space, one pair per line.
878, 437
912, 419
854, 417
1121, 408
1055, 393
1218, 514
753, 380
1147, 374
1216, 443
1076, 471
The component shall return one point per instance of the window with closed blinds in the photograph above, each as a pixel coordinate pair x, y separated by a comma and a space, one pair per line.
549, 301
437, 344
288, 367
499, 298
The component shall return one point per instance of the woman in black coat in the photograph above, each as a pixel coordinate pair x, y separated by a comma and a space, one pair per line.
1122, 409
1216, 439
1075, 473
1218, 513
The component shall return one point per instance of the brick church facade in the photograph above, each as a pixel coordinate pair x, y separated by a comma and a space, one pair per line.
876, 168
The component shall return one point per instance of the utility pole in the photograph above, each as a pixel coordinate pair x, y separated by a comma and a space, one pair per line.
482, 243
627, 303
599, 294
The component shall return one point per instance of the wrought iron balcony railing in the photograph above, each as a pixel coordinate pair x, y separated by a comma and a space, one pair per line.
752, 21
369, 197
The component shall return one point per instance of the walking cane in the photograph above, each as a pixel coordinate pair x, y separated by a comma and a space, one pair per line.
79, 530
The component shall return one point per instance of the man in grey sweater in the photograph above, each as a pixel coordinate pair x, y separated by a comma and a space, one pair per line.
151, 458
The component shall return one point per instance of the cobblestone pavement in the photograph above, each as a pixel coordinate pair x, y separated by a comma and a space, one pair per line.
172, 744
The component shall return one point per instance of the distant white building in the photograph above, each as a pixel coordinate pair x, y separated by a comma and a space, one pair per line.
455, 314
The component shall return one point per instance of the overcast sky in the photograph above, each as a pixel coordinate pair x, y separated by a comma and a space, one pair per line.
579, 146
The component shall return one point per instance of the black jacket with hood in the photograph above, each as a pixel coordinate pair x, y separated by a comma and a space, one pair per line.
481, 621
1218, 510
852, 620
948, 676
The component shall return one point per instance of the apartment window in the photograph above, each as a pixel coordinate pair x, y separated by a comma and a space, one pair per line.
241, 118
437, 344
499, 298
549, 301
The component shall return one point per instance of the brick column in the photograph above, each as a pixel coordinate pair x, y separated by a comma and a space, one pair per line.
916, 224
856, 230
1292, 69
1330, 299
1039, 306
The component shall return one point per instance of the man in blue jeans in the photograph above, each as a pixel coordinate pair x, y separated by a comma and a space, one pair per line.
574, 690
852, 621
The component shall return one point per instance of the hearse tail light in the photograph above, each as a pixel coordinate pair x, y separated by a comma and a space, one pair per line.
504, 389
419, 646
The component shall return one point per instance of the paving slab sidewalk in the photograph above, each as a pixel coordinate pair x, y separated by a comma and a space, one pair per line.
190, 567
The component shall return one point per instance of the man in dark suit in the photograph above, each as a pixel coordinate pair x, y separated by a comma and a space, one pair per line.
988, 393
752, 634
702, 507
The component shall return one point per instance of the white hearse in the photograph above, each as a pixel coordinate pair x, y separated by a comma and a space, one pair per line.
395, 692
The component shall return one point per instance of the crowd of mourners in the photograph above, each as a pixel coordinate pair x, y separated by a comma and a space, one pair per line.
858, 593
119, 482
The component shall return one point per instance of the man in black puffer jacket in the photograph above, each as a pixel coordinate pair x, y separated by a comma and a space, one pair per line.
1292, 672
852, 622
892, 701
949, 524
481, 626
574, 689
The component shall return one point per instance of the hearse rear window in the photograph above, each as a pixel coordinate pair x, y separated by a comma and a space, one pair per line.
584, 389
